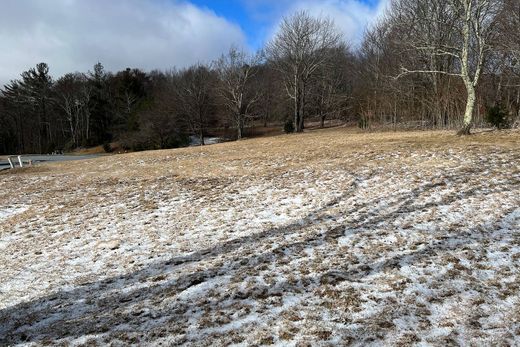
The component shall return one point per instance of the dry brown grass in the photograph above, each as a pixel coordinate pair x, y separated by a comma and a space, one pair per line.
332, 236
273, 155
90, 150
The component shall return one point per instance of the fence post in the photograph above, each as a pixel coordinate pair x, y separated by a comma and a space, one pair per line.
10, 162
20, 160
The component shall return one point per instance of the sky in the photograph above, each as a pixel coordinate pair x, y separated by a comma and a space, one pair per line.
73, 35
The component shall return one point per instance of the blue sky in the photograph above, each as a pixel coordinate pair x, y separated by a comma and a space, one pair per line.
257, 18
238, 12
73, 35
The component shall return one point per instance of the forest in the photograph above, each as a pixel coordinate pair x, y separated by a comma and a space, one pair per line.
426, 64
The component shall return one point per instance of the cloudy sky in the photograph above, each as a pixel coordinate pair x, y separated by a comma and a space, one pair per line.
72, 35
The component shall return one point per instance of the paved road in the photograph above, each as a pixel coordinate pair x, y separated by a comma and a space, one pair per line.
37, 159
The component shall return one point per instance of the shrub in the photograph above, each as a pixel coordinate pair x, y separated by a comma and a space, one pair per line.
140, 145
175, 141
497, 117
107, 147
288, 126
51, 148
134, 142
69, 146
363, 122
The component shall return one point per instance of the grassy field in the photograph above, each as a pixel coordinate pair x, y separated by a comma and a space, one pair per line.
325, 238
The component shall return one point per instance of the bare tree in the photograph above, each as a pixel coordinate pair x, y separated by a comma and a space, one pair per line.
194, 92
160, 121
457, 29
330, 88
507, 59
297, 51
73, 97
509, 29
236, 71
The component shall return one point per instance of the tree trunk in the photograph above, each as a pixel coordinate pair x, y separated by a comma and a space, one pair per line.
72, 132
465, 74
297, 115
240, 128
201, 128
296, 103
302, 109
468, 114
201, 137
45, 131
87, 125
301, 123
40, 147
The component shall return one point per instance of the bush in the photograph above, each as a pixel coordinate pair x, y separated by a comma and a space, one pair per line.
136, 143
497, 117
69, 146
107, 147
288, 126
140, 145
177, 141
51, 148
363, 122
144, 141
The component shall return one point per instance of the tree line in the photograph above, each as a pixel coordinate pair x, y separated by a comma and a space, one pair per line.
429, 64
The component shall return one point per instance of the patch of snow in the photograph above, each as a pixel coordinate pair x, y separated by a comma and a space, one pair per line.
9, 211
195, 140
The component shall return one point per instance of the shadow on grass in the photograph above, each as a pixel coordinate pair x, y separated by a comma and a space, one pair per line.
139, 305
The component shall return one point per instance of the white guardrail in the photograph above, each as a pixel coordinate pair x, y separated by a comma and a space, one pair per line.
12, 164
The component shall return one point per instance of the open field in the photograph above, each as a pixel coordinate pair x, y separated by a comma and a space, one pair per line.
325, 238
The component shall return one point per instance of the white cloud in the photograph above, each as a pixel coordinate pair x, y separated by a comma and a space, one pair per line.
72, 35
352, 17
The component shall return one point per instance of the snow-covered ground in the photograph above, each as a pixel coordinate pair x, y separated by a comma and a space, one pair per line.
195, 140
328, 238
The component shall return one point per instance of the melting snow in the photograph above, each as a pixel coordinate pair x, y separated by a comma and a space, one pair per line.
368, 248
